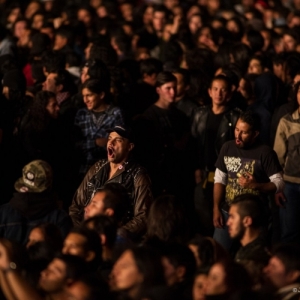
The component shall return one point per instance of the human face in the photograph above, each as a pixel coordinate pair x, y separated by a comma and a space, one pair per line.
92, 100
37, 22
255, 67
96, 206
199, 287
77, 291
84, 74
232, 26
53, 108
215, 283
36, 235
125, 274
127, 11
167, 92
50, 83
290, 43
53, 278
20, 29
159, 20
170, 272
195, 23
118, 148
148, 15
31, 9
180, 88
244, 135
84, 16
219, 92
296, 79
59, 42
267, 39
5, 92
298, 96
236, 229
74, 244
242, 88
276, 273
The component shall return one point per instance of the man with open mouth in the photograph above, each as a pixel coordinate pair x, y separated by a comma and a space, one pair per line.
117, 168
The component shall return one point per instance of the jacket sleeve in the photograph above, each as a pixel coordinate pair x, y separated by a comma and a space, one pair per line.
80, 198
142, 201
280, 144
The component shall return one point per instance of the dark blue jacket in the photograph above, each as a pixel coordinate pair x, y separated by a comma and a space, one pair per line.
26, 210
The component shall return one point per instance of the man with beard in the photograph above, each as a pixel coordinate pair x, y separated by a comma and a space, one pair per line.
120, 168
244, 165
245, 223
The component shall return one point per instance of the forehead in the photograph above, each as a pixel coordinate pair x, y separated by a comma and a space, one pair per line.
99, 196
219, 83
59, 264
233, 209
169, 84
243, 125
114, 134
51, 76
76, 238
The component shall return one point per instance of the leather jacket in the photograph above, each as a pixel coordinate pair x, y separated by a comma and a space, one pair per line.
132, 176
225, 131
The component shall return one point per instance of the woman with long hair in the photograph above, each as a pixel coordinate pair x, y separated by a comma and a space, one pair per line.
137, 273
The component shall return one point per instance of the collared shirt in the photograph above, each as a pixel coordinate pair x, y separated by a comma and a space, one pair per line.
91, 130
61, 97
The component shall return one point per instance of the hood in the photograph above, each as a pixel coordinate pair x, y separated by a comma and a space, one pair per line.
33, 205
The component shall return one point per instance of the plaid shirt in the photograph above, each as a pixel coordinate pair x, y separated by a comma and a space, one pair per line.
90, 132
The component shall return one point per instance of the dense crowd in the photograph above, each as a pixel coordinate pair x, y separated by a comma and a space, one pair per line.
150, 149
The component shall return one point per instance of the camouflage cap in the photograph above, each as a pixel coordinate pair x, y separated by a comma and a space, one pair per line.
37, 177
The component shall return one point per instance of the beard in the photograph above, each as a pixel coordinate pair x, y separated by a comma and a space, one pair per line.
240, 233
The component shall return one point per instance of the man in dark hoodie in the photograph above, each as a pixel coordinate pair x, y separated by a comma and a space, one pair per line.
34, 203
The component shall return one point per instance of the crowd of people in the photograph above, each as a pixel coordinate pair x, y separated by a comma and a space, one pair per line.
150, 149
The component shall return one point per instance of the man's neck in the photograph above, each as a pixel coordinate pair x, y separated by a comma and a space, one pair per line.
249, 236
163, 104
218, 109
115, 167
101, 108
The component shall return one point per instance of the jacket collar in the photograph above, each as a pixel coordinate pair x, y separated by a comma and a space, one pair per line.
296, 115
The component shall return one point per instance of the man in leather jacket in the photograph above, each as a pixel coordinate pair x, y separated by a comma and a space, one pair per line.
117, 168
212, 126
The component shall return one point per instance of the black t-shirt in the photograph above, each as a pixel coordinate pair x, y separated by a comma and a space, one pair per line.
212, 128
260, 161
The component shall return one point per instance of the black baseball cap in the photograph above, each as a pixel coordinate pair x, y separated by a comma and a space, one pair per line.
123, 131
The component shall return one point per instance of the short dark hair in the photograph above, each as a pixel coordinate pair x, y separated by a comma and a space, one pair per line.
222, 78
255, 40
95, 86
150, 66
93, 242
53, 61
252, 206
185, 74
104, 225
164, 77
66, 32
116, 198
75, 265
289, 256
180, 255
251, 119
64, 78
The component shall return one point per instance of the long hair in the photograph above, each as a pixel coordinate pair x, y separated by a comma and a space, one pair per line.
38, 116
148, 262
167, 221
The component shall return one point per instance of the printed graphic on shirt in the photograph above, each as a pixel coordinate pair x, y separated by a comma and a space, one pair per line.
238, 167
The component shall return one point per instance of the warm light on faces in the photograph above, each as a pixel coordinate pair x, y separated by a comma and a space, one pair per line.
199, 287
92, 100
53, 278
235, 225
219, 92
167, 92
74, 244
53, 108
125, 275
255, 67
244, 135
96, 206
36, 235
118, 148
215, 283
